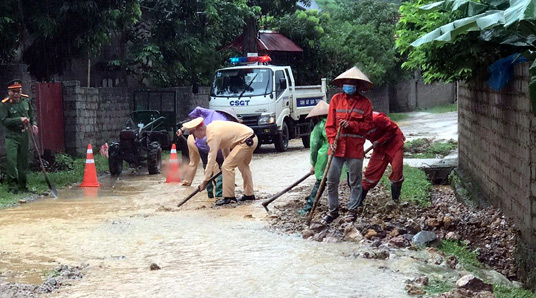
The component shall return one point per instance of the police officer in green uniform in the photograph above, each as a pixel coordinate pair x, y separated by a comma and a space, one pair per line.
17, 116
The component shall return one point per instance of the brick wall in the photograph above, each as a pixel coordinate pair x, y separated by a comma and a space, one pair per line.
497, 138
93, 115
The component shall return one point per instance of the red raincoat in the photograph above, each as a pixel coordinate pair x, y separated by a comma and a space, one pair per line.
357, 110
389, 149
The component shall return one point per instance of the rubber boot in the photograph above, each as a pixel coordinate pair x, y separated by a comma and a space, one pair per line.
311, 199
362, 198
395, 192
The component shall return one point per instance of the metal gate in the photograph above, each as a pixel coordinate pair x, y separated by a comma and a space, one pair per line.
49, 104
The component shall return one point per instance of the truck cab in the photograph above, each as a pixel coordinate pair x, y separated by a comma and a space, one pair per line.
266, 99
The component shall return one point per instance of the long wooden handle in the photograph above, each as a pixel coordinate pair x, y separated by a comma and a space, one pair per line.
267, 202
197, 190
323, 181
50, 186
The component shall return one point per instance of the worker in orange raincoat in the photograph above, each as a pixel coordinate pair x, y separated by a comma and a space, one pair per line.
352, 113
388, 143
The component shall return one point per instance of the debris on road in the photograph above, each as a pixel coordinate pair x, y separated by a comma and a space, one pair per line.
486, 231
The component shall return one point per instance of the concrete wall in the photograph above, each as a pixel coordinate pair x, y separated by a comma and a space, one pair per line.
93, 115
408, 96
414, 94
497, 151
379, 98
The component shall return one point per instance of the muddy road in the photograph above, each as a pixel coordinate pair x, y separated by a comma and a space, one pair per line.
118, 231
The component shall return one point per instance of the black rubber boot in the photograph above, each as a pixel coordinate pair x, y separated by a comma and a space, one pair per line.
395, 192
247, 198
362, 198
225, 201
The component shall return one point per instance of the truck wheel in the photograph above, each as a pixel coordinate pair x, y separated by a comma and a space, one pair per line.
306, 140
115, 162
281, 140
154, 158
258, 148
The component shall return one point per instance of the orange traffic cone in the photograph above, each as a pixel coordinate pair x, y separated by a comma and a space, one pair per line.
173, 174
90, 172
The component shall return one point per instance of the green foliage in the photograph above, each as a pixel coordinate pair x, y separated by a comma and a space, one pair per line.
305, 28
435, 287
467, 258
397, 117
10, 29
510, 292
177, 42
442, 109
426, 148
63, 162
61, 31
461, 59
343, 35
416, 187
37, 182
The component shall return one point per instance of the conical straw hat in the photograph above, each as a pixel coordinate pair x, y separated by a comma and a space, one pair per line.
321, 109
353, 76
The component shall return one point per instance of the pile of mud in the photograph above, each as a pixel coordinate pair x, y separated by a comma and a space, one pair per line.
381, 222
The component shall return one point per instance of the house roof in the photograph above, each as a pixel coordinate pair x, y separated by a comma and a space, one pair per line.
268, 41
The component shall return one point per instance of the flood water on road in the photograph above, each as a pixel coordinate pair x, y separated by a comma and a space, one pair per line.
133, 222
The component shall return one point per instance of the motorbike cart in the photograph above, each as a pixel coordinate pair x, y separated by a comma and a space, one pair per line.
140, 143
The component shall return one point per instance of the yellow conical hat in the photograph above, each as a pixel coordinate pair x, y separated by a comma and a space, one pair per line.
321, 109
353, 76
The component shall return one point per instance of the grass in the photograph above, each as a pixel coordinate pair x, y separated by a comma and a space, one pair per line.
397, 117
511, 292
467, 258
37, 182
442, 109
416, 187
435, 287
426, 148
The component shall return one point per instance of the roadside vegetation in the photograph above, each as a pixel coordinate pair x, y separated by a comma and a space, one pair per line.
446, 108
416, 187
469, 260
427, 148
65, 171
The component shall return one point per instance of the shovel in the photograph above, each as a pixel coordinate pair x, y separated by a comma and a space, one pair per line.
53, 190
323, 181
197, 190
267, 202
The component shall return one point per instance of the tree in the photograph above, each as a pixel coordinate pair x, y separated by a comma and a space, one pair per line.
60, 31
182, 40
343, 35
461, 59
10, 30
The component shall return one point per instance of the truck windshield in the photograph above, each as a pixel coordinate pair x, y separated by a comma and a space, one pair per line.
245, 82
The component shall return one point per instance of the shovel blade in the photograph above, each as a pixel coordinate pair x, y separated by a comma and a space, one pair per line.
54, 192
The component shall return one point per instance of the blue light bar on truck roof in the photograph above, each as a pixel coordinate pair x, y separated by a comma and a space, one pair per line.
260, 59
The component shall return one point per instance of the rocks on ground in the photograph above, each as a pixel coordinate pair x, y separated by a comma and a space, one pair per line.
382, 224
59, 277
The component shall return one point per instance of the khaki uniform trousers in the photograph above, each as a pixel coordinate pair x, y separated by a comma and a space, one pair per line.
240, 157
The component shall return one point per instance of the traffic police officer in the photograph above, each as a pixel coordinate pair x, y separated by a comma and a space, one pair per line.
16, 114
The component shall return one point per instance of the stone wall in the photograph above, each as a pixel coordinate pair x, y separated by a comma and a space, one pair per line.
93, 115
497, 152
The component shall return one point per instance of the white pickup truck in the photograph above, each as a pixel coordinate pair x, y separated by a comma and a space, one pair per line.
267, 100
